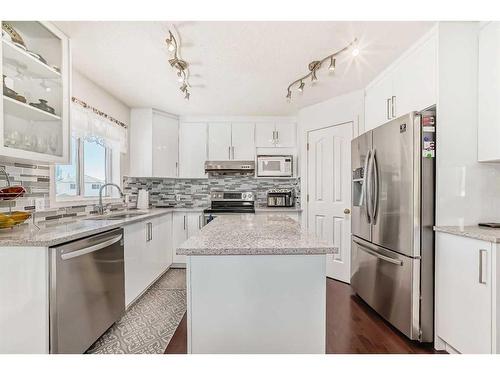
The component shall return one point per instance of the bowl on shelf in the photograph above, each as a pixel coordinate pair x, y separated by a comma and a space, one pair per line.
12, 192
10, 220
14, 36
43, 106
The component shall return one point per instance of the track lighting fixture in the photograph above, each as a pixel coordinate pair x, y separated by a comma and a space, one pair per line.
171, 42
314, 66
331, 68
314, 78
177, 63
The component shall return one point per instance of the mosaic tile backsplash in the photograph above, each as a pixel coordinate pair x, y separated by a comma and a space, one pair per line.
36, 180
175, 192
195, 192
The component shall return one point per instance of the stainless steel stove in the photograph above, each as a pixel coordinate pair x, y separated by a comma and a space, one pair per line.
229, 203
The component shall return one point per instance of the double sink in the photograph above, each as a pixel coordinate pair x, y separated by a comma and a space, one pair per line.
118, 216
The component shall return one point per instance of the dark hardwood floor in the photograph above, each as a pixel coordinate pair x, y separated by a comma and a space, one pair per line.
178, 344
352, 327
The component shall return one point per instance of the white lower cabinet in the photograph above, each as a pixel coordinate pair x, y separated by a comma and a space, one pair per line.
466, 287
185, 225
148, 253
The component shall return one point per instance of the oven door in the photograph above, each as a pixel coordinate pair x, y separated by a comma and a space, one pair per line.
277, 166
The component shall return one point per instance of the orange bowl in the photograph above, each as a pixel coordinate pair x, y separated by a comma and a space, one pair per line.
9, 220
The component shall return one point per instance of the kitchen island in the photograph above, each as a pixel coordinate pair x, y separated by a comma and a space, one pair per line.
255, 284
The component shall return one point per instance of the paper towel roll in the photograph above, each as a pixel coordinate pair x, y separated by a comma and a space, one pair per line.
143, 200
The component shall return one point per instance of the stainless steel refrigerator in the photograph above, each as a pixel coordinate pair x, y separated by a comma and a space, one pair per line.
392, 222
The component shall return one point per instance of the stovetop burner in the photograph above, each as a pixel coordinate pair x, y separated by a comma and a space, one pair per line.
242, 210
231, 202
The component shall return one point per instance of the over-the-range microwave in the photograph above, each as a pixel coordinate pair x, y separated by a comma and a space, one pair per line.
274, 165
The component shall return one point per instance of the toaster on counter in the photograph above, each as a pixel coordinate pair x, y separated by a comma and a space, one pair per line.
280, 198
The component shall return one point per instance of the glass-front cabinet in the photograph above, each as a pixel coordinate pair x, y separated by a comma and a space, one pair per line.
34, 122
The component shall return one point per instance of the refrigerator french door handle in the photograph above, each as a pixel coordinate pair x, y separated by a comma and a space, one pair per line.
365, 185
376, 187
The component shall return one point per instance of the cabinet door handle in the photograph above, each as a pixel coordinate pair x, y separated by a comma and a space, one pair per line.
482, 263
232, 148
277, 136
147, 232
177, 168
150, 231
199, 221
184, 222
393, 106
229, 152
388, 111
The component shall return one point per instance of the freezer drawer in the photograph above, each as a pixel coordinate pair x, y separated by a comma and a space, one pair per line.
389, 283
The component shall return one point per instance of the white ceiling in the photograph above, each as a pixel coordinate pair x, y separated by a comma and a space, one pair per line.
236, 68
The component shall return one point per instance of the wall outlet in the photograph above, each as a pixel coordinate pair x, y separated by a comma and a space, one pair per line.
39, 204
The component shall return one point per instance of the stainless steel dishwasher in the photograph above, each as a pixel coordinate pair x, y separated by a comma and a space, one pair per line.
87, 290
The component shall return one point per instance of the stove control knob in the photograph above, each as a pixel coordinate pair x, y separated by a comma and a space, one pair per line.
244, 195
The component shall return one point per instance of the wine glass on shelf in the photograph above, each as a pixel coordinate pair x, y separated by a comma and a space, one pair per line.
41, 144
13, 138
53, 143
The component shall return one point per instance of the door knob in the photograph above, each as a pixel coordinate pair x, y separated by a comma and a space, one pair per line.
347, 211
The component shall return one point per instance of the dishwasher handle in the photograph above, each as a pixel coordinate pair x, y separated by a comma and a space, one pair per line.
91, 249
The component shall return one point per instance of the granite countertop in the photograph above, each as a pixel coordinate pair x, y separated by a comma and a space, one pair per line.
55, 234
472, 231
248, 234
278, 209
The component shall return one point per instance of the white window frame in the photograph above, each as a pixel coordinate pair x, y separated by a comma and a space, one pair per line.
81, 199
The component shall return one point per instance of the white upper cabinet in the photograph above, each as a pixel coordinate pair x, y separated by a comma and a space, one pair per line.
415, 79
409, 85
34, 112
378, 108
193, 149
243, 141
228, 141
489, 93
265, 134
285, 134
153, 143
165, 145
280, 134
219, 141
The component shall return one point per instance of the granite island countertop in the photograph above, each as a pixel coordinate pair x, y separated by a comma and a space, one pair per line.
56, 234
248, 234
277, 209
472, 231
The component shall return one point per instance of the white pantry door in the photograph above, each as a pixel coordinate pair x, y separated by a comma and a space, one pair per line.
329, 189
